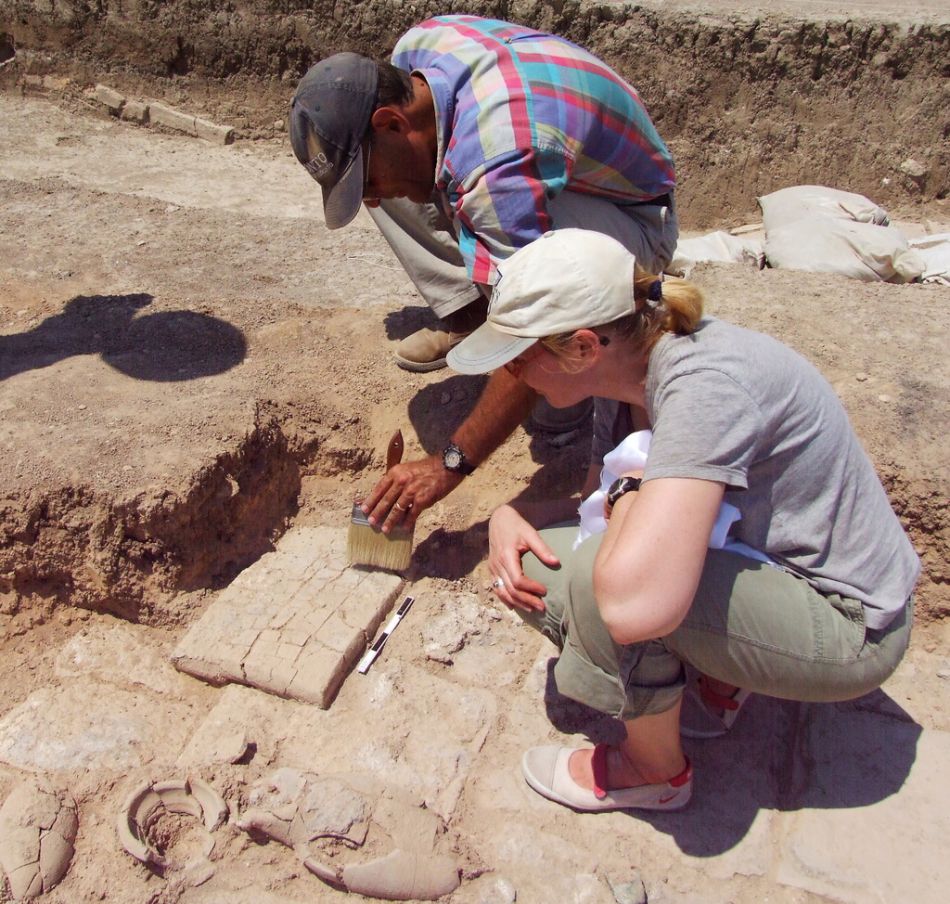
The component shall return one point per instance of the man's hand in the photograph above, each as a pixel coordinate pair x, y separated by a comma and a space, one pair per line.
406, 490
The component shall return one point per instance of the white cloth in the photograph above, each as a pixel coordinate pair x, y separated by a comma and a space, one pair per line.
715, 246
631, 455
935, 250
824, 230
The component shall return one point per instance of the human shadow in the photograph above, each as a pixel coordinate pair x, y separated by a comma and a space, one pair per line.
780, 755
435, 412
438, 409
450, 554
165, 346
404, 322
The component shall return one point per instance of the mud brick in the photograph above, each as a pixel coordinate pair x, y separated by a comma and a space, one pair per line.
135, 111
110, 99
286, 636
283, 672
260, 666
214, 133
367, 609
328, 598
320, 672
172, 119
295, 638
308, 551
336, 634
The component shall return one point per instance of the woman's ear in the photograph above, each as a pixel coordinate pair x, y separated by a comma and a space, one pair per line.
587, 346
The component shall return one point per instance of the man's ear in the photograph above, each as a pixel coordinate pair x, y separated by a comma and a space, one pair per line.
390, 119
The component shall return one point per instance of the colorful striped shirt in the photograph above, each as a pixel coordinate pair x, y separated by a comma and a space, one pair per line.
522, 116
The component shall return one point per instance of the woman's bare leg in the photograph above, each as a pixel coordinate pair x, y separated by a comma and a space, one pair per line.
650, 753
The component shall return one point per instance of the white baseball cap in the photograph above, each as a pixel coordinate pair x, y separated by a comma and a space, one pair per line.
566, 280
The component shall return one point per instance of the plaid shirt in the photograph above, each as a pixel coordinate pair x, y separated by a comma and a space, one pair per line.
522, 116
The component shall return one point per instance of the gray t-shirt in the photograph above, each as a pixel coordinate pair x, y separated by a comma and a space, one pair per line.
731, 405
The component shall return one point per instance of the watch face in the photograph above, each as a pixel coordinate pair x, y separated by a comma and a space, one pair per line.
452, 458
621, 486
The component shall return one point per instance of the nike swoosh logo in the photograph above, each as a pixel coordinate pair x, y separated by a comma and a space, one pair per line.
666, 800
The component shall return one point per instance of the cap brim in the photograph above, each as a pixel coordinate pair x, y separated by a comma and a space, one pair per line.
485, 350
341, 203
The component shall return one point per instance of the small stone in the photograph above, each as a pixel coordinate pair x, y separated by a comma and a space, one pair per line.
913, 168
884, 398
498, 890
632, 891
486, 889
860, 377
943, 673
746, 229
559, 440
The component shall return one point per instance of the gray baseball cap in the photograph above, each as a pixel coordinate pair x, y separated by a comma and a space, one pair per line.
329, 120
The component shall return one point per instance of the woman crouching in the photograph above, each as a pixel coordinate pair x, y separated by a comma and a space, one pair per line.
809, 597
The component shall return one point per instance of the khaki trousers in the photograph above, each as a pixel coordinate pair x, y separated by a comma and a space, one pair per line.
423, 238
750, 625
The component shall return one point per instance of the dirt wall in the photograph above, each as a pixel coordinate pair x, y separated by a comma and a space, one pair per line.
748, 102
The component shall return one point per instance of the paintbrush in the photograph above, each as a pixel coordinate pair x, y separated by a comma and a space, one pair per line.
369, 546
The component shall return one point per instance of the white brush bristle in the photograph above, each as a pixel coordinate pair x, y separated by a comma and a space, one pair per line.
371, 548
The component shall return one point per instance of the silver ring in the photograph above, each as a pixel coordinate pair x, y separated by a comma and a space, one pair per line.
398, 506
499, 583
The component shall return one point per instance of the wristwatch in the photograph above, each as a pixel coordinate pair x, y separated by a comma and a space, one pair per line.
453, 459
620, 486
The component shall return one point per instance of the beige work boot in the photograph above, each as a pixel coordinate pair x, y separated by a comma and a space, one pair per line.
426, 349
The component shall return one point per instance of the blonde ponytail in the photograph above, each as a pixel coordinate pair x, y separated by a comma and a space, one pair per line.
661, 305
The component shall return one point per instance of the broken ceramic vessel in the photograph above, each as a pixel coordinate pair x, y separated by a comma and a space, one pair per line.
38, 825
299, 808
147, 803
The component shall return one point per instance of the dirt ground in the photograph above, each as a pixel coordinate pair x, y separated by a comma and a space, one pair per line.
191, 364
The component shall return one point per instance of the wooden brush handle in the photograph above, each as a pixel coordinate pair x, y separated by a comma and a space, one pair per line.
394, 450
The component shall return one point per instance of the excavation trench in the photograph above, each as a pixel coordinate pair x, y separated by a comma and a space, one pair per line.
749, 103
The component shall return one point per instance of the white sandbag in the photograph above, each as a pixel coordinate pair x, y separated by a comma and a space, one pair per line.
821, 244
718, 246
788, 205
935, 251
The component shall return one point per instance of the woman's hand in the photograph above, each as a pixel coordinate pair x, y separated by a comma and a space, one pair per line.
510, 536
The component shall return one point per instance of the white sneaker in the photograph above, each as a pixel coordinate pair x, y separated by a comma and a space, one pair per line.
546, 770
